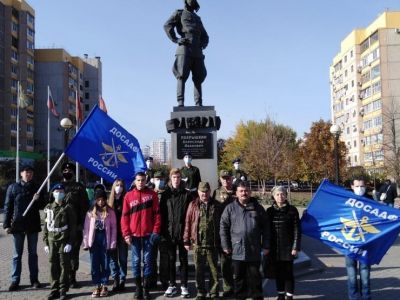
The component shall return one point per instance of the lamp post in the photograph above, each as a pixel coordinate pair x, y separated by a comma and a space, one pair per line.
335, 130
66, 123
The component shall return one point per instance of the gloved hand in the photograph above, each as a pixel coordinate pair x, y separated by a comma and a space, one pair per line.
67, 248
46, 249
154, 238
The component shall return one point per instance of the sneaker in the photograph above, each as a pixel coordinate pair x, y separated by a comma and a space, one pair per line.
13, 287
171, 291
96, 292
184, 292
36, 284
104, 291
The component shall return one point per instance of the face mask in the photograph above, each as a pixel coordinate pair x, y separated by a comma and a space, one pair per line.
58, 197
187, 160
236, 166
359, 190
67, 176
149, 164
118, 189
159, 184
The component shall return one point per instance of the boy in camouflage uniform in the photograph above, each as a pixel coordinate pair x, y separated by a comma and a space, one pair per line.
59, 235
202, 231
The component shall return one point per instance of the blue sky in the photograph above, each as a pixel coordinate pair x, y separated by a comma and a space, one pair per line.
265, 58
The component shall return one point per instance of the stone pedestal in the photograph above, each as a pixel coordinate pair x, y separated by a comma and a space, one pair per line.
194, 129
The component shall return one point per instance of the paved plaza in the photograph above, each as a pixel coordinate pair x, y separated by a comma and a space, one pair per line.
324, 279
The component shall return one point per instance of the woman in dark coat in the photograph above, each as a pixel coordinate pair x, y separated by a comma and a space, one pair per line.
285, 235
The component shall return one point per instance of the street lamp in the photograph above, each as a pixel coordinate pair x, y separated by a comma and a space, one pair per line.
335, 130
66, 123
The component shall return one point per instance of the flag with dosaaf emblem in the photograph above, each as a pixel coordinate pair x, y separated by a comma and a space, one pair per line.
107, 149
360, 228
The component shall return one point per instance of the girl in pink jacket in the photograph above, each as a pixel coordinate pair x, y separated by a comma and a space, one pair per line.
100, 237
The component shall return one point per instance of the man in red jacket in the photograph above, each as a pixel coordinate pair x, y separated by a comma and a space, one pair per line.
140, 225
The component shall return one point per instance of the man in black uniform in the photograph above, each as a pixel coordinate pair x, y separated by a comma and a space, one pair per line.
77, 198
190, 174
149, 172
193, 38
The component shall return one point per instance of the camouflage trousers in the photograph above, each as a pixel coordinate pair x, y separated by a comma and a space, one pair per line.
202, 257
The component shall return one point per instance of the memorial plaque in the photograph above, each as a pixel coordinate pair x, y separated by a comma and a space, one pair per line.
200, 145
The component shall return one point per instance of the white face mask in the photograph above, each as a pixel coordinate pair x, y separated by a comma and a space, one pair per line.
187, 160
159, 184
149, 164
118, 189
58, 197
236, 166
359, 190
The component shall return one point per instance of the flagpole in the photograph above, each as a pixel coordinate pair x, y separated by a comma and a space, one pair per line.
44, 182
48, 140
17, 146
77, 102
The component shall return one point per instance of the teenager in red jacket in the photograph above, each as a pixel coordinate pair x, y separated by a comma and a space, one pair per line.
140, 225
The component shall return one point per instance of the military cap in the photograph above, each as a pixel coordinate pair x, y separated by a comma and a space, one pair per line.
149, 158
100, 194
68, 165
158, 174
27, 168
58, 186
236, 160
225, 173
204, 186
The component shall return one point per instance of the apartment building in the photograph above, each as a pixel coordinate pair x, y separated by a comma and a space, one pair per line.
66, 77
17, 43
365, 90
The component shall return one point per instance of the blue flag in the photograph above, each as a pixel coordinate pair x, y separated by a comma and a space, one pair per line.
360, 228
107, 149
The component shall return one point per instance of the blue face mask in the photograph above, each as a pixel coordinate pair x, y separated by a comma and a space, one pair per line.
58, 197
159, 184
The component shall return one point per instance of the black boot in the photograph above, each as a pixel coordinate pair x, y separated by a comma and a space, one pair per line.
147, 283
139, 289
72, 281
281, 297
115, 287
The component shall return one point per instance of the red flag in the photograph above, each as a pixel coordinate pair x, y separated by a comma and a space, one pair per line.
102, 104
79, 113
51, 105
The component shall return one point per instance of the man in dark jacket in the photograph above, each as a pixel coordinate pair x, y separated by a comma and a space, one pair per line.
174, 203
388, 192
244, 234
18, 197
202, 232
77, 198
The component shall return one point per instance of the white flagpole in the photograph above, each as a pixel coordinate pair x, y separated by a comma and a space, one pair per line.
17, 146
77, 102
48, 139
44, 183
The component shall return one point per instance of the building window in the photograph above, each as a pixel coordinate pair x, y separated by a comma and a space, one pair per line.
30, 45
14, 27
375, 71
348, 130
373, 38
14, 55
30, 32
14, 126
351, 53
352, 68
29, 128
14, 69
86, 83
364, 45
355, 143
29, 142
376, 87
14, 112
30, 19
355, 158
87, 96
13, 142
